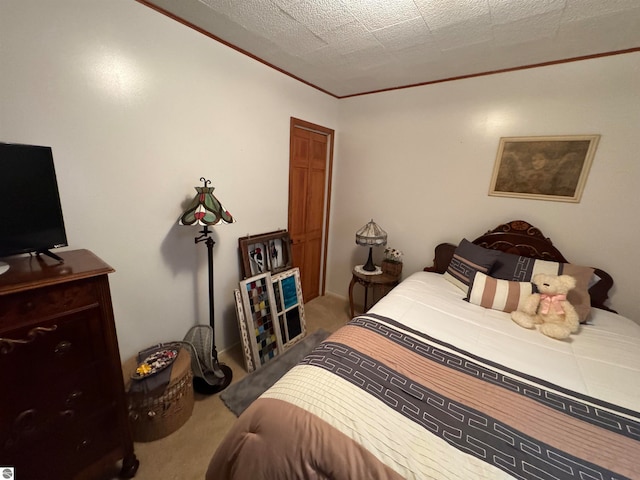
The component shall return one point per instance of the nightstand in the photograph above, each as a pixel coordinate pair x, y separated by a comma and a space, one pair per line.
380, 282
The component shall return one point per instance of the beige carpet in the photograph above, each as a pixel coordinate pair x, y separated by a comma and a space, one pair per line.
185, 454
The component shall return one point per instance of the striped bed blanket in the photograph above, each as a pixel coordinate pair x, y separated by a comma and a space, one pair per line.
380, 400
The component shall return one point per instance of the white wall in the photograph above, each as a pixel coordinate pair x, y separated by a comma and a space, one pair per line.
138, 107
424, 159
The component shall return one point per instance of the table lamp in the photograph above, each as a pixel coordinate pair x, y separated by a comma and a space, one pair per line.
371, 235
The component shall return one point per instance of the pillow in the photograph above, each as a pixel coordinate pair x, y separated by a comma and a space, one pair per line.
503, 295
522, 269
468, 259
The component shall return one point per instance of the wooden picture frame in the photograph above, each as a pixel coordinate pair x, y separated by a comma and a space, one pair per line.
287, 290
247, 353
260, 328
268, 252
543, 168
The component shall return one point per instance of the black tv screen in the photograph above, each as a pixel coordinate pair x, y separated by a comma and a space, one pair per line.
30, 211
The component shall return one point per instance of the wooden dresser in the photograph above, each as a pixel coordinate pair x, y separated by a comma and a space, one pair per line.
63, 412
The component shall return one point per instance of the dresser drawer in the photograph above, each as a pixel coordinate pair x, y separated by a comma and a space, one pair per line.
51, 350
69, 446
32, 306
47, 404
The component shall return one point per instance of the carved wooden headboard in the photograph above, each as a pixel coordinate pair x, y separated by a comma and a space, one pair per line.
522, 238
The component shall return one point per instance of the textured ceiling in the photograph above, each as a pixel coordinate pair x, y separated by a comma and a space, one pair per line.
350, 47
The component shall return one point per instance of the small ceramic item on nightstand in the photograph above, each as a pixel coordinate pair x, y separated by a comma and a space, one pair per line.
392, 262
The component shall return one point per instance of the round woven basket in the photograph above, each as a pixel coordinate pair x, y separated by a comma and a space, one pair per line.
160, 412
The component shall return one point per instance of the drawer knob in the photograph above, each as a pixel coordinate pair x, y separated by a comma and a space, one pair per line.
8, 344
74, 397
62, 347
24, 425
83, 445
26, 421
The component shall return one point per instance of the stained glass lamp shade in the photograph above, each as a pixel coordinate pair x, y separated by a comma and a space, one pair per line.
206, 210
371, 235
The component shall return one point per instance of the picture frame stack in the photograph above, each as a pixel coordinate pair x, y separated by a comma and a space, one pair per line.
270, 313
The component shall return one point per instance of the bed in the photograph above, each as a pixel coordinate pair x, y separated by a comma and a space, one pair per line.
428, 385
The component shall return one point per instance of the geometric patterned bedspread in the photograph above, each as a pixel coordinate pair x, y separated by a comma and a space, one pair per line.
413, 407
517, 423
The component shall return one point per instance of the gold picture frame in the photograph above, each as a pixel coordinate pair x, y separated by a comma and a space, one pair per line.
543, 168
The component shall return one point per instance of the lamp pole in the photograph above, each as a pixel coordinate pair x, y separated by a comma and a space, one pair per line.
222, 373
209, 242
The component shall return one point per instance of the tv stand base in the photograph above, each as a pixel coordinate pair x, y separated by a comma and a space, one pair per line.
50, 255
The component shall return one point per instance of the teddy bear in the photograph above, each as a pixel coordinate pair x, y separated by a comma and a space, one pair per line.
549, 309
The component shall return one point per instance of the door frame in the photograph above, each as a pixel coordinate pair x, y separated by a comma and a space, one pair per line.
330, 134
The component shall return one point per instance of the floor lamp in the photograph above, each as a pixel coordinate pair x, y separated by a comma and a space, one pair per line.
210, 376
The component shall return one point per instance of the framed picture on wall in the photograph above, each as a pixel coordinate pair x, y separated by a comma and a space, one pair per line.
543, 168
267, 252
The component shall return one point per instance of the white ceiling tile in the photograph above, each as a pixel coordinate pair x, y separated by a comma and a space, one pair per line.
417, 56
523, 30
468, 57
582, 9
506, 56
326, 57
403, 35
443, 13
297, 39
320, 16
232, 9
347, 47
367, 58
284, 3
350, 38
376, 14
464, 33
617, 31
506, 11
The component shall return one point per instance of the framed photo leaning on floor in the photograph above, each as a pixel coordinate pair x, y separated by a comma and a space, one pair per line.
267, 252
258, 322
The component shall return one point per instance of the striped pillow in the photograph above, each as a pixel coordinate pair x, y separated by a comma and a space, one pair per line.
468, 259
522, 269
496, 294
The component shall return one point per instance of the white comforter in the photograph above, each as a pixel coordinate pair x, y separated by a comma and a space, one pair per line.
602, 360
379, 400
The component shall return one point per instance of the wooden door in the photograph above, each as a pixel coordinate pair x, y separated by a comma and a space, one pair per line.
309, 174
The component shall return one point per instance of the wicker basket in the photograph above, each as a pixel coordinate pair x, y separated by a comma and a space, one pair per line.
158, 413
392, 268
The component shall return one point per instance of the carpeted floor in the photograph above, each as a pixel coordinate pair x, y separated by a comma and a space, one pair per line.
185, 454
239, 395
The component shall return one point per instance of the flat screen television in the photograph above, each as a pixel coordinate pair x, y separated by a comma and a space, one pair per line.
30, 211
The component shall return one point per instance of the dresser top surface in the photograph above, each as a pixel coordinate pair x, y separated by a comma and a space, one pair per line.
34, 271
